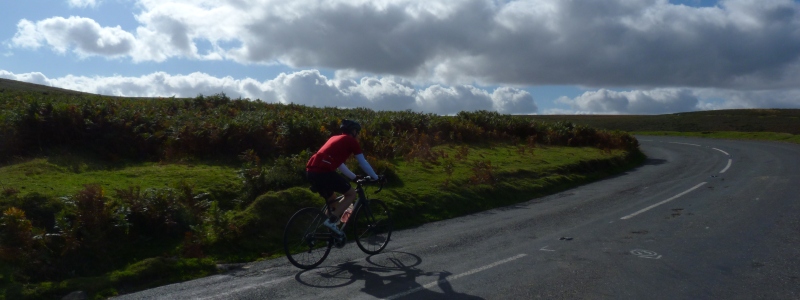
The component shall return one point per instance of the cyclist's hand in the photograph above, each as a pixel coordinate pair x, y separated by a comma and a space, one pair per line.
359, 177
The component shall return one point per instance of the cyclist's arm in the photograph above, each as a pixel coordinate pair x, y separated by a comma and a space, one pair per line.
346, 171
362, 162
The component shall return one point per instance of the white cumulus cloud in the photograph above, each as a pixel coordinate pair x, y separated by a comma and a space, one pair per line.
84, 3
83, 36
788, 98
737, 44
656, 101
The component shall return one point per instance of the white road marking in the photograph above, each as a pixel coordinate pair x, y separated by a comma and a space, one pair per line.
646, 254
726, 153
451, 278
728, 166
662, 202
685, 144
545, 249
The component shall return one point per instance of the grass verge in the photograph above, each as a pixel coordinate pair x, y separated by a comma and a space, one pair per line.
733, 135
494, 177
66, 175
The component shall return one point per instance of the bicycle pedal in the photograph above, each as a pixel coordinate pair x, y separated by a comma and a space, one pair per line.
340, 241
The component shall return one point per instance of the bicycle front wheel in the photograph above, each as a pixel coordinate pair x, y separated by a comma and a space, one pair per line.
306, 240
373, 227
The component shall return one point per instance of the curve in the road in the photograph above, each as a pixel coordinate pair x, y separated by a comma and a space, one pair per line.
730, 162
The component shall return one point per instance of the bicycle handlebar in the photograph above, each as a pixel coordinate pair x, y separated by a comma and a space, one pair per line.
368, 181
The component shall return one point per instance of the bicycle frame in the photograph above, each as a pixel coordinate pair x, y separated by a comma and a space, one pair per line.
361, 200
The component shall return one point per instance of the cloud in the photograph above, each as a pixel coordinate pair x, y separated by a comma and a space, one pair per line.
84, 3
658, 101
737, 44
513, 101
453, 99
788, 98
307, 87
35, 77
83, 36
389, 93
27, 35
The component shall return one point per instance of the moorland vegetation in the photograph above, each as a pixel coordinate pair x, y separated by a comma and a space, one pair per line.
100, 235
698, 123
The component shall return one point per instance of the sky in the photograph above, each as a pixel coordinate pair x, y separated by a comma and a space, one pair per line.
431, 56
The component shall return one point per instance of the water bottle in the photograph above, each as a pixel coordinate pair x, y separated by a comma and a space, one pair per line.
346, 214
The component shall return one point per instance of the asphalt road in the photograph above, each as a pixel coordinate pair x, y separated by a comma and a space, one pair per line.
702, 219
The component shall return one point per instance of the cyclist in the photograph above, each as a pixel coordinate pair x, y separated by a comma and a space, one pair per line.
321, 170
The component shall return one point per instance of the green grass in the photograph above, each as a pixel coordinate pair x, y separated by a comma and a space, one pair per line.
733, 135
53, 177
505, 161
425, 193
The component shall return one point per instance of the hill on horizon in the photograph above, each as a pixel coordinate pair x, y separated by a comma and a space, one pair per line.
14, 85
744, 120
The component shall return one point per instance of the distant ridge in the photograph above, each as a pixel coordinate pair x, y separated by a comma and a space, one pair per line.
742, 120
14, 85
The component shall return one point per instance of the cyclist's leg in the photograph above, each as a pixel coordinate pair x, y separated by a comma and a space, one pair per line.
331, 201
342, 186
342, 205
325, 183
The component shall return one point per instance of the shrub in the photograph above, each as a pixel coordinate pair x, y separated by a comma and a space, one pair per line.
16, 236
260, 224
22, 248
217, 226
482, 173
155, 213
40, 209
283, 173
87, 222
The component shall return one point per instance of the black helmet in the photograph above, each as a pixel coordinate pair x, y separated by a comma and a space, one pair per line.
350, 125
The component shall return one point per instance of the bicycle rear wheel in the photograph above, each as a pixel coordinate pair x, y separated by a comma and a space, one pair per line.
372, 227
305, 240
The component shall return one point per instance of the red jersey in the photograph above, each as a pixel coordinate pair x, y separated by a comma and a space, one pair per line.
333, 154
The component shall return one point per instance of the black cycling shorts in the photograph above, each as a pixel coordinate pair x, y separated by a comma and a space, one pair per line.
325, 183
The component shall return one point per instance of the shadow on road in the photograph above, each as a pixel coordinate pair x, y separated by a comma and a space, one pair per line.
389, 275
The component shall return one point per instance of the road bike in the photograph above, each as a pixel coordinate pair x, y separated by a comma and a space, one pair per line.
307, 242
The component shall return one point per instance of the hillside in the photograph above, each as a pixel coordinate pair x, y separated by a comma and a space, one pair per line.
13, 85
744, 120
